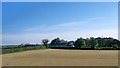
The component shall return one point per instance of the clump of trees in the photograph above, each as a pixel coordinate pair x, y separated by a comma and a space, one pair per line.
97, 43
58, 41
91, 43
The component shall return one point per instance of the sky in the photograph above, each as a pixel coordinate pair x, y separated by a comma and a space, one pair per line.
30, 22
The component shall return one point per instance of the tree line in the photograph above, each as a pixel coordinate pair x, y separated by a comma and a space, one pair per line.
88, 43
97, 43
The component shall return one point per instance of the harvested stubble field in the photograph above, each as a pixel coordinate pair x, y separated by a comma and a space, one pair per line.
61, 57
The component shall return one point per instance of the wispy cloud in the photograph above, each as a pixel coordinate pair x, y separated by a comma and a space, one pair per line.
67, 26
68, 31
37, 37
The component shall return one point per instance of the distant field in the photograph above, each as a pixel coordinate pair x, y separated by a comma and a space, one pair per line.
59, 57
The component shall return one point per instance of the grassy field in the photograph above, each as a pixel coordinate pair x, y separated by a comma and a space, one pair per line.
61, 57
20, 49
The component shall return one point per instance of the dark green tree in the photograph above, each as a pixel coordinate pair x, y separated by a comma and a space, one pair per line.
45, 42
79, 42
55, 41
92, 42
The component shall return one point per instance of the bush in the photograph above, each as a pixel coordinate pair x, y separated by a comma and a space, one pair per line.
115, 47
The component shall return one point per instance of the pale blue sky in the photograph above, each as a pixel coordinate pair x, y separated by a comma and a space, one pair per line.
30, 22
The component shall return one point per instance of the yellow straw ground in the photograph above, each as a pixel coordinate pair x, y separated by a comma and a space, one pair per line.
61, 57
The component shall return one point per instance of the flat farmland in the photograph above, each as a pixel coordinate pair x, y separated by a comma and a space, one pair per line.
61, 57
